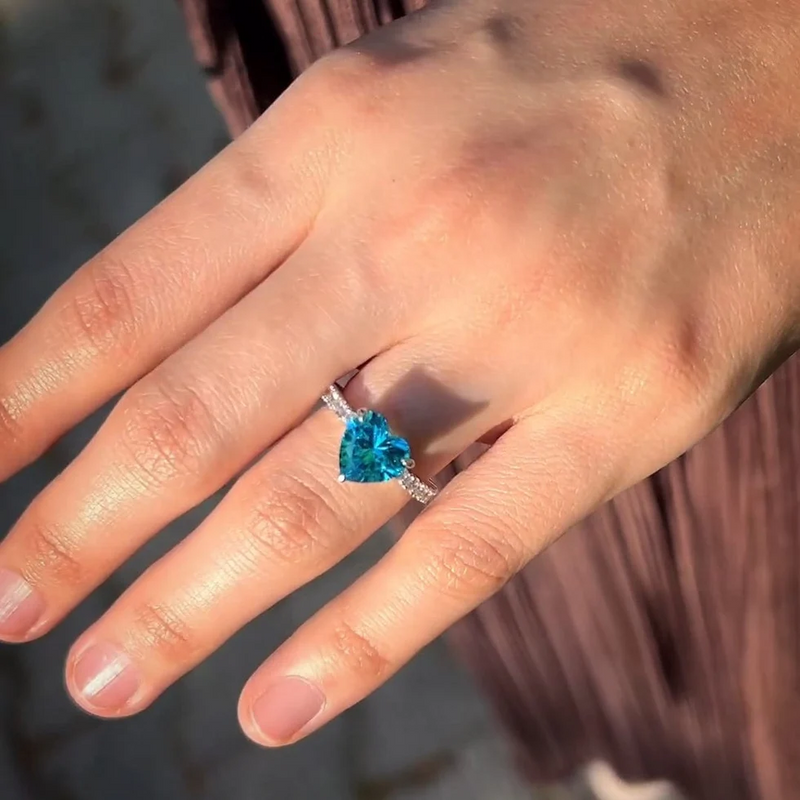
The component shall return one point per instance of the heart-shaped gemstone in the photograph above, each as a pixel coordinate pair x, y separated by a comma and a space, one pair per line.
370, 452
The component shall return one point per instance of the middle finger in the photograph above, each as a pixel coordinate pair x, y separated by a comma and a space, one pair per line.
181, 433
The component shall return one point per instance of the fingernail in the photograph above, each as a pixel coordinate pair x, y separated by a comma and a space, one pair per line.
105, 677
20, 604
286, 708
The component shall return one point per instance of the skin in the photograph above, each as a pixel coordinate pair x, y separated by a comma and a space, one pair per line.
569, 227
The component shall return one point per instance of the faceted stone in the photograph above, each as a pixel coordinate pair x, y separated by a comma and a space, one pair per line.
370, 453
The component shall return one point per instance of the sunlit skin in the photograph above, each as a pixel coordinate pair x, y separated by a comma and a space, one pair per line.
574, 223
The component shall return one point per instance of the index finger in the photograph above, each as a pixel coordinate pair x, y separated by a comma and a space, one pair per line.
159, 283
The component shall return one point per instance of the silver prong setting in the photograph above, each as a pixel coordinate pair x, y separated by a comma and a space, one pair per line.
409, 463
341, 479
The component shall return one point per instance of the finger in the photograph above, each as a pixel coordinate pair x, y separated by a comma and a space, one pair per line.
285, 522
540, 477
281, 525
180, 434
158, 284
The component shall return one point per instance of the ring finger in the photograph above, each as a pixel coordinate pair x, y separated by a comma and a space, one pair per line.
285, 522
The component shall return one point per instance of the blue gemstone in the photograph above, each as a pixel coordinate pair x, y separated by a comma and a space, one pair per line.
370, 453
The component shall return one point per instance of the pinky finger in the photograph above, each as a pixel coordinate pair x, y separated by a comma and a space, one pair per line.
538, 479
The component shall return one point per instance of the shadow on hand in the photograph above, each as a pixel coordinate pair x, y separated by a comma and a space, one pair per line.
419, 407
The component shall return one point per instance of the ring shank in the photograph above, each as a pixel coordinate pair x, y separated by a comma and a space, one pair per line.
419, 490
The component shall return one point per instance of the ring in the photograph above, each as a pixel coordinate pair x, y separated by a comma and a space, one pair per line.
371, 453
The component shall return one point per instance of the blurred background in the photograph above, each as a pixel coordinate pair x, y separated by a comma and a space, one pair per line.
102, 113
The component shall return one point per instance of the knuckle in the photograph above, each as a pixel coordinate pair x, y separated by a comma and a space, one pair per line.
167, 433
358, 654
684, 375
290, 523
608, 104
348, 88
469, 565
675, 367
162, 629
103, 313
54, 552
344, 76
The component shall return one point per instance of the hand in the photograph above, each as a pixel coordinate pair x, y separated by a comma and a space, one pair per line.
569, 225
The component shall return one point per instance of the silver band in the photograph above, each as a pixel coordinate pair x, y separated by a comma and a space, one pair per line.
420, 490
